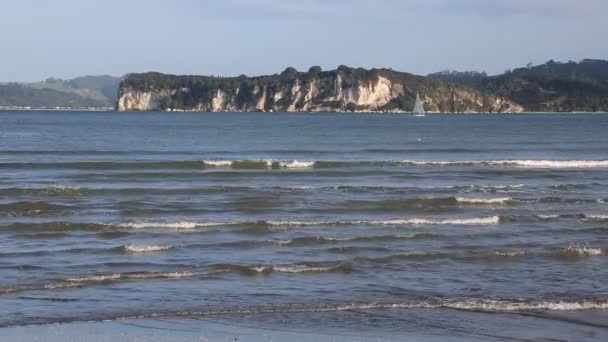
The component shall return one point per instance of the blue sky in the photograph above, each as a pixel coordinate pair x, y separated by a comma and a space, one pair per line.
67, 38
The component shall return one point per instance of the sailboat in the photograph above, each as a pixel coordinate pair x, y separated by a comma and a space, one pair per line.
418, 108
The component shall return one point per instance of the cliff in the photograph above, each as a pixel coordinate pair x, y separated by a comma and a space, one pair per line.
344, 89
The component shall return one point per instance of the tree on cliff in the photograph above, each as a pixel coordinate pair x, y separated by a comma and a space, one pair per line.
315, 70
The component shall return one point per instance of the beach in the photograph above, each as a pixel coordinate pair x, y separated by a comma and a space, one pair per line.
307, 227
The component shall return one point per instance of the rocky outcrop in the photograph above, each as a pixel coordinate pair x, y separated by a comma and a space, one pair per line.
344, 89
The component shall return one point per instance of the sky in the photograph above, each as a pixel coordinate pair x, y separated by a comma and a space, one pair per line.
68, 38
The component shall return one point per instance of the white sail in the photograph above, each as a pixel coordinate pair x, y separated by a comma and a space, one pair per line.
418, 108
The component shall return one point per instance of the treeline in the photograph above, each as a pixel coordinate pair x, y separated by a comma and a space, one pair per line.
550, 87
80, 92
17, 95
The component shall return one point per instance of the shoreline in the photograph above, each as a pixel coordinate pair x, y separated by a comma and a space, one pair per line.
109, 110
405, 325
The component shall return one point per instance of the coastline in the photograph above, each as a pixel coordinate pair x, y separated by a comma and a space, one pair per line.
405, 325
96, 110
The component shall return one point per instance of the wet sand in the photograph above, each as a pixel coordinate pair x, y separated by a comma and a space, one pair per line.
385, 325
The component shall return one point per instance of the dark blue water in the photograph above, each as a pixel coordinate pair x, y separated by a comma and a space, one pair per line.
114, 215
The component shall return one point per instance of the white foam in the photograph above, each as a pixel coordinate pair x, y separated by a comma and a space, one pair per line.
146, 248
540, 164
596, 217
168, 225
429, 221
95, 278
218, 163
489, 305
503, 200
295, 164
298, 187
547, 217
510, 253
292, 269
406, 221
62, 189
582, 251
555, 164
461, 304
172, 275
489, 186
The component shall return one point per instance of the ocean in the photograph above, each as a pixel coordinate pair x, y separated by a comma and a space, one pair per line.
488, 227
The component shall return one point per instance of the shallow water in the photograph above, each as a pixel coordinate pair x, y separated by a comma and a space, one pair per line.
114, 215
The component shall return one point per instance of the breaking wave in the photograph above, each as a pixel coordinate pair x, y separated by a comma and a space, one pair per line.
170, 225
465, 304
146, 248
579, 252
97, 279
503, 200
297, 164
260, 164
245, 226
321, 240
536, 164
596, 218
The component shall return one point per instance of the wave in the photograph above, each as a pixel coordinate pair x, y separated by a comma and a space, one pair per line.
76, 191
27, 208
547, 217
260, 164
468, 304
298, 164
395, 222
579, 252
97, 279
56, 227
429, 221
487, 187
411, 204
170, 225
245, 226
146, 248
507, 254
51, 191
535, 164
344, 268
502, 305
503, 200
106, 165
513, 305
321, 240
595, 218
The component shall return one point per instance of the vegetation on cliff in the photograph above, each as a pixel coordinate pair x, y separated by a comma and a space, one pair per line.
343, 89
550, 87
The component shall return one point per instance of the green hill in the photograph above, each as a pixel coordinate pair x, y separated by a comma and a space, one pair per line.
550, 87
80, 92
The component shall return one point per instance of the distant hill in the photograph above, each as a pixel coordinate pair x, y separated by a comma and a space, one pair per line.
550, 87
344, 89
80, 92
15, 95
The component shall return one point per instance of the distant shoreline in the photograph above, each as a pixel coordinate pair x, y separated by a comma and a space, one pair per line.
7, 109
298, 112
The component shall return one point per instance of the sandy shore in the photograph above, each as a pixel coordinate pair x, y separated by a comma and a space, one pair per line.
183, 330
392, 325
